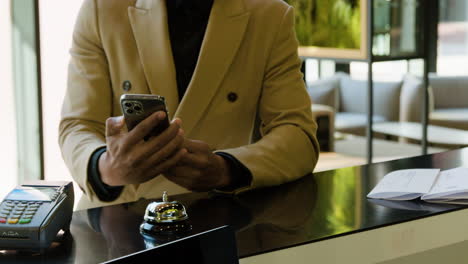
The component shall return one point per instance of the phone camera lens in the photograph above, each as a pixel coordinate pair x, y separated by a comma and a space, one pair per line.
137, 108
129, 111
128, 104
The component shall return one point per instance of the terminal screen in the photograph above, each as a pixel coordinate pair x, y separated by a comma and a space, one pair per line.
31, 193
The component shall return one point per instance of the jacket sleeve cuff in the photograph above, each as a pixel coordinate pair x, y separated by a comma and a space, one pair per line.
242, 175
103, 191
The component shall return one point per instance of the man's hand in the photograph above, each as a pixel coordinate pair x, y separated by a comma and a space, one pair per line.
129, 159
200, 169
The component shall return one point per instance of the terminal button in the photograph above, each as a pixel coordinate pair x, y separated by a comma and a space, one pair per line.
25, 221
13, 220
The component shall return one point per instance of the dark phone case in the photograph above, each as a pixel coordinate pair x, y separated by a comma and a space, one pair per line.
136, 110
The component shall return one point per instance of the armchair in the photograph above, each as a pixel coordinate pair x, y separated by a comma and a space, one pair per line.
450, 101
393, 101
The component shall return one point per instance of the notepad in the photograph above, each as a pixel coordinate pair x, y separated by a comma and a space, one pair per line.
431, 185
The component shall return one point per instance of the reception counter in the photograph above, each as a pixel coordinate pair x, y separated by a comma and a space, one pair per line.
320, 218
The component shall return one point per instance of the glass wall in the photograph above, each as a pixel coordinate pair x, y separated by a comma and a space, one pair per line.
452, 54
57, 20
395, 28
397, 98
8, 150
27, 89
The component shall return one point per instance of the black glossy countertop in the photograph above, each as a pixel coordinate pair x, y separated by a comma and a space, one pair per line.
316, 207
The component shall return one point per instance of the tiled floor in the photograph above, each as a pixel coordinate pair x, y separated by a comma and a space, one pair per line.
351, 151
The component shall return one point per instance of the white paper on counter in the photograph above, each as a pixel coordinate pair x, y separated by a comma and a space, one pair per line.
405, 184
450, 185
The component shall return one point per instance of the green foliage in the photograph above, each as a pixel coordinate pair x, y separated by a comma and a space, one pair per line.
328, 23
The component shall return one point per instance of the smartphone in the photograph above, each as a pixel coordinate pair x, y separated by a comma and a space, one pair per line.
137, 107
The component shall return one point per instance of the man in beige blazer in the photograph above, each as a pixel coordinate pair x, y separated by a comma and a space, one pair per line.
248, 67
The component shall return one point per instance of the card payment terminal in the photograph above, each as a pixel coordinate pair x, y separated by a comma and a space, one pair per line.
32, 214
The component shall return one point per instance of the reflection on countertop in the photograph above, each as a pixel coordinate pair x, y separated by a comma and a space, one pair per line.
316, 207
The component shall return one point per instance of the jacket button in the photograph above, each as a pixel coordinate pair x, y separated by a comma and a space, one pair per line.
232, 97
126, 86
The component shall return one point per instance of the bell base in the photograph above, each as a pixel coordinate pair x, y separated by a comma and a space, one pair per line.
159, 229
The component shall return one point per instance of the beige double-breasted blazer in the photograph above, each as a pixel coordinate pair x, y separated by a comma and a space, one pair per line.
249, 49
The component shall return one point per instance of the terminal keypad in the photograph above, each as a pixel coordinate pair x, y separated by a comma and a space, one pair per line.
17, 212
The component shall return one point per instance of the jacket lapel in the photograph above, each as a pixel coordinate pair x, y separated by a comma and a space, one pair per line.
224, 33
149, 24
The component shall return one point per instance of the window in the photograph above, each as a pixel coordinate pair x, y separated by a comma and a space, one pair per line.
57, 19
453, 38
8, 152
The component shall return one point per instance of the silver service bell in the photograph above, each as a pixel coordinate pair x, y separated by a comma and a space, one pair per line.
165, 211
165, 218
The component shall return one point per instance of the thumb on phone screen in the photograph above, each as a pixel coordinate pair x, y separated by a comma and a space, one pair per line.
114, 125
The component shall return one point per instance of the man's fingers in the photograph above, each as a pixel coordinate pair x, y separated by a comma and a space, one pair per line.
166, 151
189, 178
114, 125
170, 162
195, 160
156, 148
183, 175
194, 146
158, 142
144, 127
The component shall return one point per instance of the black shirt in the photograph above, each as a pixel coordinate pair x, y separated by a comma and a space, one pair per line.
187, 22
